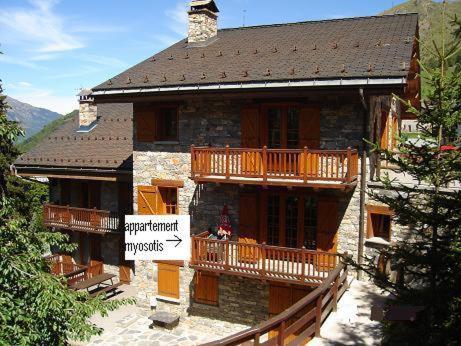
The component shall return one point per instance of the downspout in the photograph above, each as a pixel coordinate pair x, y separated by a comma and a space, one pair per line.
363, 185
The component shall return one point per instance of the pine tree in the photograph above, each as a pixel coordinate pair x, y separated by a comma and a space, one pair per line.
430, 209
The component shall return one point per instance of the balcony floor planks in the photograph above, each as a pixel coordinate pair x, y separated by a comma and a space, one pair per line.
322, 184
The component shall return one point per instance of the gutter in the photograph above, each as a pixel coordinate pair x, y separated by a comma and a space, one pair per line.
258, 85
69, 170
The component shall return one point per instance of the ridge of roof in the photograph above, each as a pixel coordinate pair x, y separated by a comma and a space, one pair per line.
316, 21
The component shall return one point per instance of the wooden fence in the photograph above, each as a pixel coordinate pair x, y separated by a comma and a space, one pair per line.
300, 322
262, 261
81, 219
266, 164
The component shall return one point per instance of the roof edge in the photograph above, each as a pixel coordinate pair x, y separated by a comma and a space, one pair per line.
259, 85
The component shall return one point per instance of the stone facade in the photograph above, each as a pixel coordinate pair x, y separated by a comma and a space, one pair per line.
203, 24
88, 113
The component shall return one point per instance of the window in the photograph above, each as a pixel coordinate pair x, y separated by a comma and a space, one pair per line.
167, 124
379, 222
283, 124
155, 123
169, 200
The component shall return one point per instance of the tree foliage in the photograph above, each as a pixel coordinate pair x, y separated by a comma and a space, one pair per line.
430, 210
36, 307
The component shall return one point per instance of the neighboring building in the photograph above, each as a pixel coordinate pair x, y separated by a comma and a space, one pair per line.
268, 121
88, 162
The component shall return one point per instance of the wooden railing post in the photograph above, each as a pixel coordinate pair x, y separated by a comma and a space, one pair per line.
192, 160
226, 266
348, 168
335, 293
318, 315
263, 255
227, 162
303, 264
304, 163
265, 163
281, 334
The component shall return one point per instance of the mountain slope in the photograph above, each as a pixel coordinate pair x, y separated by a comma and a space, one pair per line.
49, 128
32, 118
430, 20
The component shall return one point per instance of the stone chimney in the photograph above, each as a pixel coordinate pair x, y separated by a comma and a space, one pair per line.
203, 20
88, 111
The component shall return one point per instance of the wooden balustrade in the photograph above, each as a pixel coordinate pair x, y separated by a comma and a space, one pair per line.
274, 166
262, 261
300, 322
73, 272
81, 219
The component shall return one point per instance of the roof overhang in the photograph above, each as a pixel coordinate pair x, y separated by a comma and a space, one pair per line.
74, 173
312, 83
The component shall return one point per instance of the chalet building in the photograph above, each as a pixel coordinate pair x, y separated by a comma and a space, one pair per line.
88, 162
267, 122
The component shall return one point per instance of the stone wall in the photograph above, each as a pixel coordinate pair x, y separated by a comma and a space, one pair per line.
109, 196
240, 300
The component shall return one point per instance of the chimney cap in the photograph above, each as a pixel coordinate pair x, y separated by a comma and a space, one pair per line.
204, 4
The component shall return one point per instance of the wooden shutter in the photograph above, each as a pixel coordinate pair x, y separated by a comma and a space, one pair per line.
147, 200
309, 127
65, 192
248, 227
168, 280
249, 217
145, 116
206, 288
327, 225
94, 194
250, 127
125, 198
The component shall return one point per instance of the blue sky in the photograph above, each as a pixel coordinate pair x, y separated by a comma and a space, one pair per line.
52, 48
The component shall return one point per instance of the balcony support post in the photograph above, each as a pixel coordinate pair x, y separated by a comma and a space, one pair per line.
263, 256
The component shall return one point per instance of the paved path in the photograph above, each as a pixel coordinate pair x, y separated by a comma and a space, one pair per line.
351, 324
129, 325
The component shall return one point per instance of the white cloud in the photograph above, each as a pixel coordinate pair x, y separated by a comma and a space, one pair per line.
40, 27
179, 18
101, 60
8, 59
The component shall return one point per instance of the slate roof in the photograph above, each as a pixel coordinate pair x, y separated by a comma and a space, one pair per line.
108, 146
374, 47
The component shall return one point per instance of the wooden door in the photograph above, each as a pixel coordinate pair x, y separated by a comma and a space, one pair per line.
124, 268
248, 227
206, 288
327, 231
168, 280
147, 200
281, 298
96, 265
309, 127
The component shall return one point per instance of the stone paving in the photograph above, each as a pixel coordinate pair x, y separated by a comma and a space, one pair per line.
131, 325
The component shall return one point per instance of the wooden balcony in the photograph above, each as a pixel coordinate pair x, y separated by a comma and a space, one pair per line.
74, 273
284, 167
81, 219
260, 261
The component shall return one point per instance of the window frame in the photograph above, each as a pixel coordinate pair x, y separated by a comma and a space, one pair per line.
378, 210
154, 111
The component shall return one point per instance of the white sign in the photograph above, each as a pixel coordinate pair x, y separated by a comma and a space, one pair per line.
157, 237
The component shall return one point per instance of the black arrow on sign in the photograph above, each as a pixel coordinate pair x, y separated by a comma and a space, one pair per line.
179, 240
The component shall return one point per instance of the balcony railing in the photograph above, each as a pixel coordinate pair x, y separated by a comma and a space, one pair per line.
262, 261
74, 273
304, 167
81, 219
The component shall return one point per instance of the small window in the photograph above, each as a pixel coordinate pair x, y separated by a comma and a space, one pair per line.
167, 124
169, 200
379, 222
